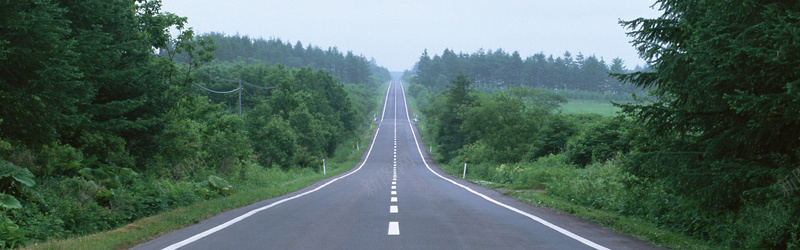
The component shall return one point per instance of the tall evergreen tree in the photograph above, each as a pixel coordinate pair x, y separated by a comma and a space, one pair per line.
724, 119
39, 87
447, 124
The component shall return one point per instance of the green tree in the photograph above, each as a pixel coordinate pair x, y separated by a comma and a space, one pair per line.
447, 121
39, 90
274, 141
723, 119
504, 124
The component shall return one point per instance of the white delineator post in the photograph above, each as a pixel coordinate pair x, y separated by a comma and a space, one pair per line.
324, 172
464, 176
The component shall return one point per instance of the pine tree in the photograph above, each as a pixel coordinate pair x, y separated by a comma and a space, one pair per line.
38, 78
725, 116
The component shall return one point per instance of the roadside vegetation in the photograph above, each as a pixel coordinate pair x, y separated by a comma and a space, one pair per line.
106, 119
708, 158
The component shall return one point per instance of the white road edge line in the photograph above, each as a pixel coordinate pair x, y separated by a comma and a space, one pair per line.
385, 100
254, 211
523, 213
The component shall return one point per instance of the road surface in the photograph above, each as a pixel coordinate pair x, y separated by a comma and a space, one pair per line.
395, 198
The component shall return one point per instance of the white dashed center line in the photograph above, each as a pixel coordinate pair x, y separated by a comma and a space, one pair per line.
394, 228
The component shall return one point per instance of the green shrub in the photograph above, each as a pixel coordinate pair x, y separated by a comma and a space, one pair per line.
58, 160
600, 142
11, 235
544, 171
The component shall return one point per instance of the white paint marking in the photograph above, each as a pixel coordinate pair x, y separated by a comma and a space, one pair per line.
394, 187
394, 192
394, 183
394, 228
394, 199
386, 100
393, 209
523, 213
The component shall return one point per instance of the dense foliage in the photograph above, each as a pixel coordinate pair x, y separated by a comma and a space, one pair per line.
722, 126
497, 68
107, 118
516, 125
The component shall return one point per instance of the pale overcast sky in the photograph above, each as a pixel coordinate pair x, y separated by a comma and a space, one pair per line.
396, 32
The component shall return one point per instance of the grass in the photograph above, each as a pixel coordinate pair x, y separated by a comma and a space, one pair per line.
575, 106
635, 227
149, 228
631, 226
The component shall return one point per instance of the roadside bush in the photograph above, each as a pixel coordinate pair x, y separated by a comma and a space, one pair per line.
11, 234
544, 171
75, 200
553, 138
58, 160
600, 142
598, 186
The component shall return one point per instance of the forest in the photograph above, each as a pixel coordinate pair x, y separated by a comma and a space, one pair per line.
107, 118
346, 66
499, 69
711, 152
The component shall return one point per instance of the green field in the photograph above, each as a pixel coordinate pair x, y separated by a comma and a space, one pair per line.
604, 108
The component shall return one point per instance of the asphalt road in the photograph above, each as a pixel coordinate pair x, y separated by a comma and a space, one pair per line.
395, 198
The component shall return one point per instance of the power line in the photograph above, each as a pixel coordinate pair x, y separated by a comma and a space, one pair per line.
254, 86
240, 88
218, 92
243, 81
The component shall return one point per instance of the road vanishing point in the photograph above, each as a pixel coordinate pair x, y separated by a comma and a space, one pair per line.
394, 198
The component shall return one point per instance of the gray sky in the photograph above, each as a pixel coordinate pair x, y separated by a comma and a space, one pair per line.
396, 32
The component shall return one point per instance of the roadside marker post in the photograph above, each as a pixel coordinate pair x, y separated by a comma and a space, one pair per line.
464, 176
324, 172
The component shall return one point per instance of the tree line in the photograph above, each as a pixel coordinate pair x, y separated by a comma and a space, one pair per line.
347, 66
498, 68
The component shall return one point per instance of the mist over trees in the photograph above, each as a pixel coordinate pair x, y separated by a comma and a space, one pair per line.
348, 67
498, 68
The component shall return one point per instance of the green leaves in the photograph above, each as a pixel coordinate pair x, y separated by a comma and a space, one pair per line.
220, 184
9, 201
12, 180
